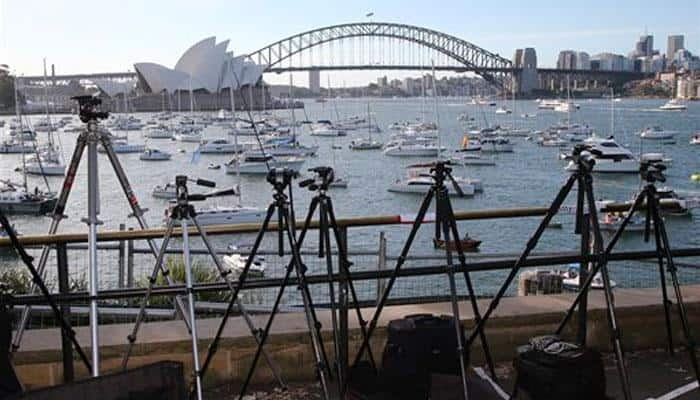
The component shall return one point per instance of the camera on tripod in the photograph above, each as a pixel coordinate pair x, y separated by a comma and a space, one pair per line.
582, 157
89, 108
652, 171
281, 177
324, 177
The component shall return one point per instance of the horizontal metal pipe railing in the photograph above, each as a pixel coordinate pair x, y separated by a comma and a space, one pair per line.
490, 265
155, 233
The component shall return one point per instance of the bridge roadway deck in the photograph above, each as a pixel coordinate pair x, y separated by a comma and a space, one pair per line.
516, 319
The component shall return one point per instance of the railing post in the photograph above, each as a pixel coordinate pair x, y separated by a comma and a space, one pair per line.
381, 265
122, 259
130, 262
64, 288
583, 275
343, 309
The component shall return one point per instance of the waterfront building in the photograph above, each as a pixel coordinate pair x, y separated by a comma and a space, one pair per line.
566, 59
612, 62
583, 60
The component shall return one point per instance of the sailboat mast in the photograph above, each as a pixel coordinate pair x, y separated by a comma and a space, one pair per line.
46, 100
21, 137
612, 112
291, 108
191, 99
235, 130
437, 116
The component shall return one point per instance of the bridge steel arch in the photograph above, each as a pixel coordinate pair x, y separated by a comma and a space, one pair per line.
474, 58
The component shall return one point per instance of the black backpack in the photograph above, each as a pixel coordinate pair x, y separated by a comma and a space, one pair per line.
549, 368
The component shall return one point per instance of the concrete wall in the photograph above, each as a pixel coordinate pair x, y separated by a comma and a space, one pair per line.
639, 312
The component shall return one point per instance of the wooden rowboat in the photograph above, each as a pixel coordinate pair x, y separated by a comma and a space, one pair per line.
468, 244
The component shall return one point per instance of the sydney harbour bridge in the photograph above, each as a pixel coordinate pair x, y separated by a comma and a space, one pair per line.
392, 46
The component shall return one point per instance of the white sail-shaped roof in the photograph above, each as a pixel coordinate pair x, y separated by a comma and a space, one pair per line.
204, 66
112, 88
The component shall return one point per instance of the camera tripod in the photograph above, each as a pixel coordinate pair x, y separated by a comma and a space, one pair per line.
445, 225
283, 204
650, 173
183, 213
90, 114
327, 222
39, 283
585, 199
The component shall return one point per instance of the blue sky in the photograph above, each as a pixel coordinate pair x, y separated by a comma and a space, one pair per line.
91, 36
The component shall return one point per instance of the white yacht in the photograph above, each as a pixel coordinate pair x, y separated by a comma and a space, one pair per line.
154, 155
47, 163
472, 158
656, 133
695, 139
159, 131
24, 134
403, 149
242, 129
15, 147
503, 110
419, 182
365, 144
496, 144
166, 191
227, 215
221, 146
565, 107
257, 163
188, 136
123, 146
236, 263
673, 105
15, 199
325, 128
609, 157
548, 104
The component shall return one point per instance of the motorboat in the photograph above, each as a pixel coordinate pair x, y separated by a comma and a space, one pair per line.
496, 144
166, 191
673, 205
465, 244
422, 184
339, 182
403, 149
673, 105
15, 199
291, 149
469, 144
256, 163
236, 264
13, 146
656, 133
221, 146
226, 215
325, 128
365, 144
188, 136
565, 106
609, 156
22, 135
611, 222
158, 132
472, 158
154, 155
695, 139
503, 110
548, 104
655, 158
571, 279
552, 141
123, 146
242, 129
213, 166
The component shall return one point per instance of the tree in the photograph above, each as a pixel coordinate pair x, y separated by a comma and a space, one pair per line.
7, 95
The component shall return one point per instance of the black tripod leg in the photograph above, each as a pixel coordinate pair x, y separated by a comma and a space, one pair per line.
662, 275
314, 330
399, 263
677, 289
553, 209
441, 218
39, 283
214, 345
246, 317
470, 287
345, 263
325, 237
603, 257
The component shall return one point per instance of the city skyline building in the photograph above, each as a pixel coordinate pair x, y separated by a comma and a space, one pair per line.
315, 81
674, 43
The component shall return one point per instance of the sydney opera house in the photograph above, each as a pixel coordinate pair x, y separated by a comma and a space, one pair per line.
207, 71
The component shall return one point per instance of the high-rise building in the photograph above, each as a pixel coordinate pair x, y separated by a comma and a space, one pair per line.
382, 81
645, 46
529, 59
611, 62
675, 43
518, 58
315, 81
583, 60
566, 59
408, 86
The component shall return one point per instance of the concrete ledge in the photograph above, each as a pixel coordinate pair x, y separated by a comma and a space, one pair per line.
639, 312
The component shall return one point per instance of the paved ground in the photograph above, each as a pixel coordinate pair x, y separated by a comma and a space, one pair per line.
652, 373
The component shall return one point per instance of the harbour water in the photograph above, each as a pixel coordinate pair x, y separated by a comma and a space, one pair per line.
530, 176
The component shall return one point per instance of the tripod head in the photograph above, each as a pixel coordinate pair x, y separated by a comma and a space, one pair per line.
440, 171
183, 195
280, 178
652, 172
582, 158
89, 108
324, 177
